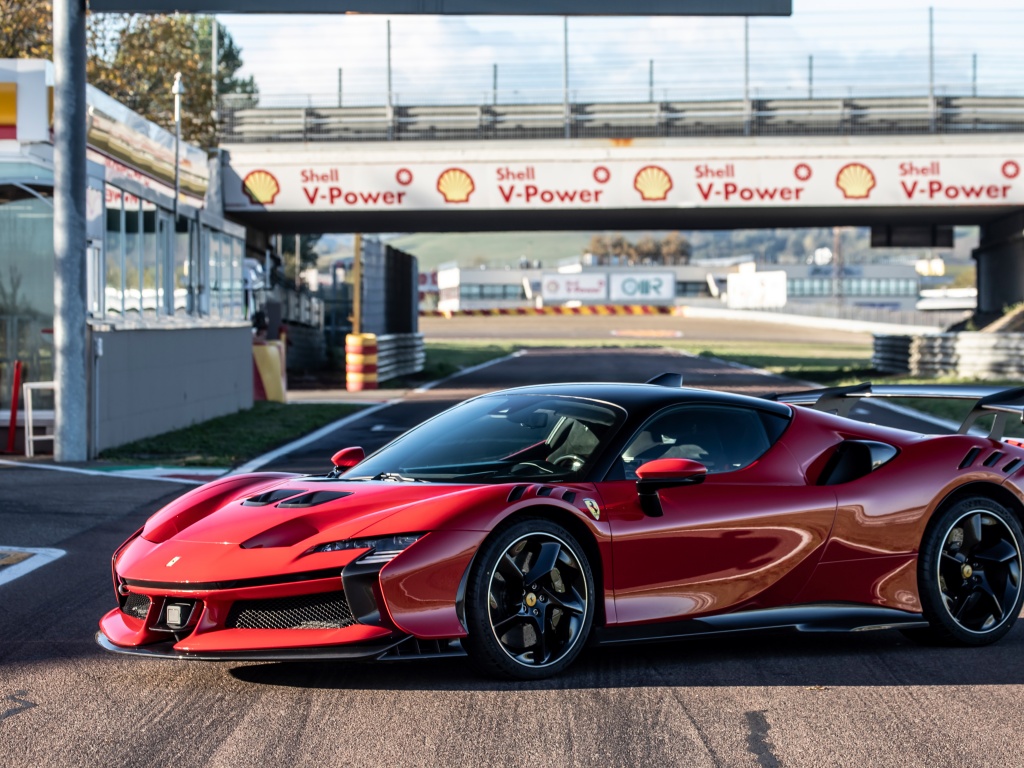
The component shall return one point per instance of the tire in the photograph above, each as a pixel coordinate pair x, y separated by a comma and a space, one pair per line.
969, 574
529, 601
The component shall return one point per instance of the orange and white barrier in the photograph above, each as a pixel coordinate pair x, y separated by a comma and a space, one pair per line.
590, 309
360, 361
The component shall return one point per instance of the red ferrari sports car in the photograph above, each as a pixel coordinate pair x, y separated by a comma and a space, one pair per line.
519, 526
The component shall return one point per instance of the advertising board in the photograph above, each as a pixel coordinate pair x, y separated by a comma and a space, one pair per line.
642, 288
586, 287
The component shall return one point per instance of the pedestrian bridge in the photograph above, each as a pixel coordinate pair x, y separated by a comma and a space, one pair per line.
910, 168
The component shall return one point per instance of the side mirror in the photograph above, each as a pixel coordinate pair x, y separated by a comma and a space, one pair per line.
346, 458
665, 473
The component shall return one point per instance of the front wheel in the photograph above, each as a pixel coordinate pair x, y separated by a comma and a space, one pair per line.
969, 574
529, 601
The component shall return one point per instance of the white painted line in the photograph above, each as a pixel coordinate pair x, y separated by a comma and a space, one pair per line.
98, 473
471, 369
39, 558
312, 437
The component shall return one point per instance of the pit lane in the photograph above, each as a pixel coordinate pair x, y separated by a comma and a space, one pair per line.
756, 700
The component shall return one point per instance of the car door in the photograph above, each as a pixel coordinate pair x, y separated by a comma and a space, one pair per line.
748, 536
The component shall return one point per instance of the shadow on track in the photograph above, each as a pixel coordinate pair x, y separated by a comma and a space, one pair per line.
764, 659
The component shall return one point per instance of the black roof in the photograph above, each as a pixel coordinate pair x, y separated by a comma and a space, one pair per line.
648, 397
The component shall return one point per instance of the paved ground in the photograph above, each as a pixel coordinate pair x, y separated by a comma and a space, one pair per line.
758, 700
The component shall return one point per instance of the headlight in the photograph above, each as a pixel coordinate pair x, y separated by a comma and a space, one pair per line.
382, 550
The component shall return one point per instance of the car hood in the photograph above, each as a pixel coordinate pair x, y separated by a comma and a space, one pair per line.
280, 513
253, 526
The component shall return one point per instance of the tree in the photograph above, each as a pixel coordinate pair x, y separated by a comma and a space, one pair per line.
648, 250
149, 50
675, 249
229, 59
26, 29
133, 58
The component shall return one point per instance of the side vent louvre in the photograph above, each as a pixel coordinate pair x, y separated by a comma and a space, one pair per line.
313, 499
545, 491
1011, 465
516, 493
569, 496
992, 460
969, 458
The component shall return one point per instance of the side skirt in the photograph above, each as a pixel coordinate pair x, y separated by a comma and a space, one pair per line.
803, 618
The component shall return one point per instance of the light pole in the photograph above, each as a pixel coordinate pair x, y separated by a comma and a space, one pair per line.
177, 90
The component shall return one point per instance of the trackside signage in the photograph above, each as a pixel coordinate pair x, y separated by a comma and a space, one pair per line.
273, 183
642, 288
577, 287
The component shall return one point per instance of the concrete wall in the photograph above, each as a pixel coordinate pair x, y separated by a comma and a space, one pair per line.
151, 381
1000, 257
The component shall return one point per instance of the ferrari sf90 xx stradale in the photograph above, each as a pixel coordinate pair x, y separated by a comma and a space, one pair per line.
522, 525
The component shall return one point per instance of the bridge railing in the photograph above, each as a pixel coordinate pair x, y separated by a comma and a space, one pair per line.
267, 119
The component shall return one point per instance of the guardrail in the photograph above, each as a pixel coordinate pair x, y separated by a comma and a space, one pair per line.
371, 359
243, 120
972, 355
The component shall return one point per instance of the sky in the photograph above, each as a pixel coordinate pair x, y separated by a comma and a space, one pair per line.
827, 48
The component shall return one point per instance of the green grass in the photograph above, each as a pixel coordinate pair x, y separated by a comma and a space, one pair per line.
446, 358
234, 439
805, 362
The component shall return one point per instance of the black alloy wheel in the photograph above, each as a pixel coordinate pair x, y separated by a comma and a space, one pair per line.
970, 574
529, 601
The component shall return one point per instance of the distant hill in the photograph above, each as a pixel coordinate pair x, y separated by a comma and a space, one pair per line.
497, 250
494, 250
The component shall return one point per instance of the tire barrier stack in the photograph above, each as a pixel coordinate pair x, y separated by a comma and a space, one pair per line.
968, 355
360, 361
371, 359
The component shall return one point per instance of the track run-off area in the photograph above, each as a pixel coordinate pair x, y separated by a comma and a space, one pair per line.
770, 699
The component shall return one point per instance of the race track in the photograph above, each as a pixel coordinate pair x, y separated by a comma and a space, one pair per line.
870, 699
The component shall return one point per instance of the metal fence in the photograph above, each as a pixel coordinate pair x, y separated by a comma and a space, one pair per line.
967, 355
252, 119
907, 317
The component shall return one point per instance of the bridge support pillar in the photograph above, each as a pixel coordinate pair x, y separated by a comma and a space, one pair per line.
1000, 264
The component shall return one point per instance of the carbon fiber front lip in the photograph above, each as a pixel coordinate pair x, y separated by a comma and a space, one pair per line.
166, 651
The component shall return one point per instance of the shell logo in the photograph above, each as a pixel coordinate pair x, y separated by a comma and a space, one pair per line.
652, 182
855, 181
455, 185
261, 187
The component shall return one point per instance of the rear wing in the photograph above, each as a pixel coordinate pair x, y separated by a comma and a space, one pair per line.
999, 401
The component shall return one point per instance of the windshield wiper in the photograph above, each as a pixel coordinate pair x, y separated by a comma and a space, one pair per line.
394, 477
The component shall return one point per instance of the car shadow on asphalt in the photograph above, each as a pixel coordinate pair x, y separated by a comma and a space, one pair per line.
812, 661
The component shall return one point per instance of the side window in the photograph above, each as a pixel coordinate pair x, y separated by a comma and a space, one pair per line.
722, 438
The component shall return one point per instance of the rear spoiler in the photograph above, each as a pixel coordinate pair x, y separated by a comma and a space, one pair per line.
988, 400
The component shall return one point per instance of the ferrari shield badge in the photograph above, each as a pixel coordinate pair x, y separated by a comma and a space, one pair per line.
593, 508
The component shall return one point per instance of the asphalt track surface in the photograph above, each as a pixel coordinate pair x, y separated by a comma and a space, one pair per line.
870, 699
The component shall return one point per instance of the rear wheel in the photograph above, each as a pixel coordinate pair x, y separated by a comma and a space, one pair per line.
969, 572
529, 601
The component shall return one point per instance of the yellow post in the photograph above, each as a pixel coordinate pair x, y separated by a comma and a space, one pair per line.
357, 284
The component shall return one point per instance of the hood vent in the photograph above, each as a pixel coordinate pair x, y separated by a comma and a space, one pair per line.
271, 497
313, 499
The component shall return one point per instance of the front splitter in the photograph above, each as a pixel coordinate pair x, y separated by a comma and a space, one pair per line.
167, 651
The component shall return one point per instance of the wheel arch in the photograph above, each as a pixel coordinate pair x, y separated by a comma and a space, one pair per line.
579, 530
997, 493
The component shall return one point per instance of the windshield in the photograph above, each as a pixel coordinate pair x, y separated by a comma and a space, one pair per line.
499, 438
